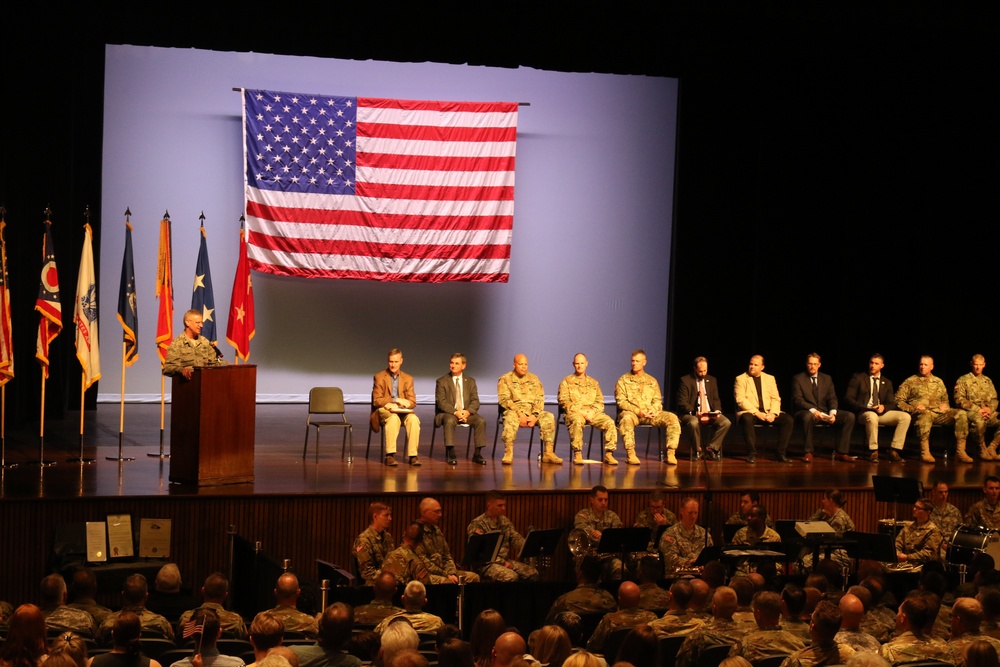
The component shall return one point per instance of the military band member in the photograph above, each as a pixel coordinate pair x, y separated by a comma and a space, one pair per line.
654, 515
682, 543
494, 520
522, 398
594, 520
920, 541
374, 543
191, 350
433, 549
924, 396
582, 403
754, 533
748, 498
405, 564
832, 511
986, 512
639, 400
975, 393
945, 516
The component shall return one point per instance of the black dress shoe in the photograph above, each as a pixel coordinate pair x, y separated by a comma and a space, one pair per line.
751, 458
449, 456
894, 456
781, 458
479, 460
709, 454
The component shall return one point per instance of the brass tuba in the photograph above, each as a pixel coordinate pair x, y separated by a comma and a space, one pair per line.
579, 543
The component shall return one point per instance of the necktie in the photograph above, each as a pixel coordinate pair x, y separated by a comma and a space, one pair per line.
816, 391
458, 395
874, 392
702, 398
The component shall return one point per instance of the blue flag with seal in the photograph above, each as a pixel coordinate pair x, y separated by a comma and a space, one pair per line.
203, 298
128, 309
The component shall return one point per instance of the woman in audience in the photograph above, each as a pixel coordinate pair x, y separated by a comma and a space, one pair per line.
456, 653
551, 646
582, 659
641, 647
981, 654
68, 650
126, 651
25, 644
489, 625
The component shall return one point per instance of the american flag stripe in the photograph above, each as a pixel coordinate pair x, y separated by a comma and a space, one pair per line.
372, 188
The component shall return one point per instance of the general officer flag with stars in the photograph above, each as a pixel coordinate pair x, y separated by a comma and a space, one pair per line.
128, 309
203, 298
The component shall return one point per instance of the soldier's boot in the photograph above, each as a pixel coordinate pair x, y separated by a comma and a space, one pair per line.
508, 454
671, 457
992, 449
984, 453
549, 455
609, 459
925, 450
578, 457
633, 460
960, 451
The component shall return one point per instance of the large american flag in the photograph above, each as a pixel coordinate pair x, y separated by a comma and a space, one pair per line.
379, 189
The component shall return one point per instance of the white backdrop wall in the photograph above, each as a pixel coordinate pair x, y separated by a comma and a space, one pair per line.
591, 239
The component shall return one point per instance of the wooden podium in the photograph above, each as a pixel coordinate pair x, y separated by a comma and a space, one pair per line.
212, 421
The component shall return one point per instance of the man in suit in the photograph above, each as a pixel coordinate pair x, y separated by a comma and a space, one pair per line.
393, 396
698, 404
871, 397
758, 402
456, 401
815, 402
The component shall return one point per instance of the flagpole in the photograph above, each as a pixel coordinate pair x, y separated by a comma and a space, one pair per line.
85, 324
41, 431
3, 425
163, 402
164, 318
121, 415
48, 307
83, 391
5, 343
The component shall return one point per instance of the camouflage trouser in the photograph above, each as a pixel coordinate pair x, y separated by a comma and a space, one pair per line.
978, 425
511, 422
516, 571
611, 567
926, 419
602, 422
627, 422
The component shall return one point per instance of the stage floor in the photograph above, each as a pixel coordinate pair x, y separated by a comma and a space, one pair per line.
280, 468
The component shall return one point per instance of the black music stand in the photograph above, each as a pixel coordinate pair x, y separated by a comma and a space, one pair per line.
897, 490
623, 541
480, 550
870, 546
541, 544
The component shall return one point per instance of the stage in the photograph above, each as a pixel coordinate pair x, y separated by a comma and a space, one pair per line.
304, 509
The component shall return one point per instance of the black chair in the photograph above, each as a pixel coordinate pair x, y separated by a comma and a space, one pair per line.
559, 420
614, 643
499, 428
233, 647
660, 437
328, 401
468, 445
173, 655
711, 656
154, 647
669, 647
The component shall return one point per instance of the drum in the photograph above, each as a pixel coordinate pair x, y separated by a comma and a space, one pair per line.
967, 541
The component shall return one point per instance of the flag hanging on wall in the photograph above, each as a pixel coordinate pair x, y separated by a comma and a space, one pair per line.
47, 304
379, 189
128, 309
6, 342
203, 298
241, 326
85, 313
165, 293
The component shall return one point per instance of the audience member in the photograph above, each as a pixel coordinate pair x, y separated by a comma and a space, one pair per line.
487, 627
551, 646
677, 620
397, 637
168, 598
852, 610
207, 621
286, 594
126, 651
214, 593
83, 591
381, 607
980, 654
966, 620
916, 616
628, 615
824, 649
640, 648
333, 632
769, 638
456, 653
60, 617
720, 629
588, 596
266, 632
509, 646
414, 599
134, 599
68, 650
651, 595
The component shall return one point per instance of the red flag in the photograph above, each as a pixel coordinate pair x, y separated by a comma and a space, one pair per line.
6, 345
47, 304
241, 327
165, 293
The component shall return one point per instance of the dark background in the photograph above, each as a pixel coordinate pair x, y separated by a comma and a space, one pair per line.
837, 165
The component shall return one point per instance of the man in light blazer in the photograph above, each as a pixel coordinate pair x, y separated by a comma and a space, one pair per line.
454, 407
698, 403
758, 402
393, 401
815, 402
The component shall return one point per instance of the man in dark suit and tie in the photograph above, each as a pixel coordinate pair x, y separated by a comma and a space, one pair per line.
698, 403
871, 396
456, 401
815, 402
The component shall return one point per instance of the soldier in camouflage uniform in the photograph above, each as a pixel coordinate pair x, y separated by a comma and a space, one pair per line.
911, 644
414, 599
594, 520
975, 393
134, 596
628, 615
655, 515
920, 541
374, 543
754, 533
588, 596
287, 592
190, 350
381, 607
59, 617
966, 620
924, 396
405, 564
651, 596
679, 619
681, 544
639, 400
521, 396
748, 498
823, 648
215, 591
831, 510
582, 403
945, 516
769, 638
720, 629
986, 512
494, 520
852, 611
433, 549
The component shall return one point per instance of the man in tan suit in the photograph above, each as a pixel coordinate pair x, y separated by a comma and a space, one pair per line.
758, 402
393, 401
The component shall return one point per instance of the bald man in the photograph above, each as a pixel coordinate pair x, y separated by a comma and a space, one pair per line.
287, 592
628, 615
852, 610
521, 397
508, 647
433, 549
966, 621
721, 629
